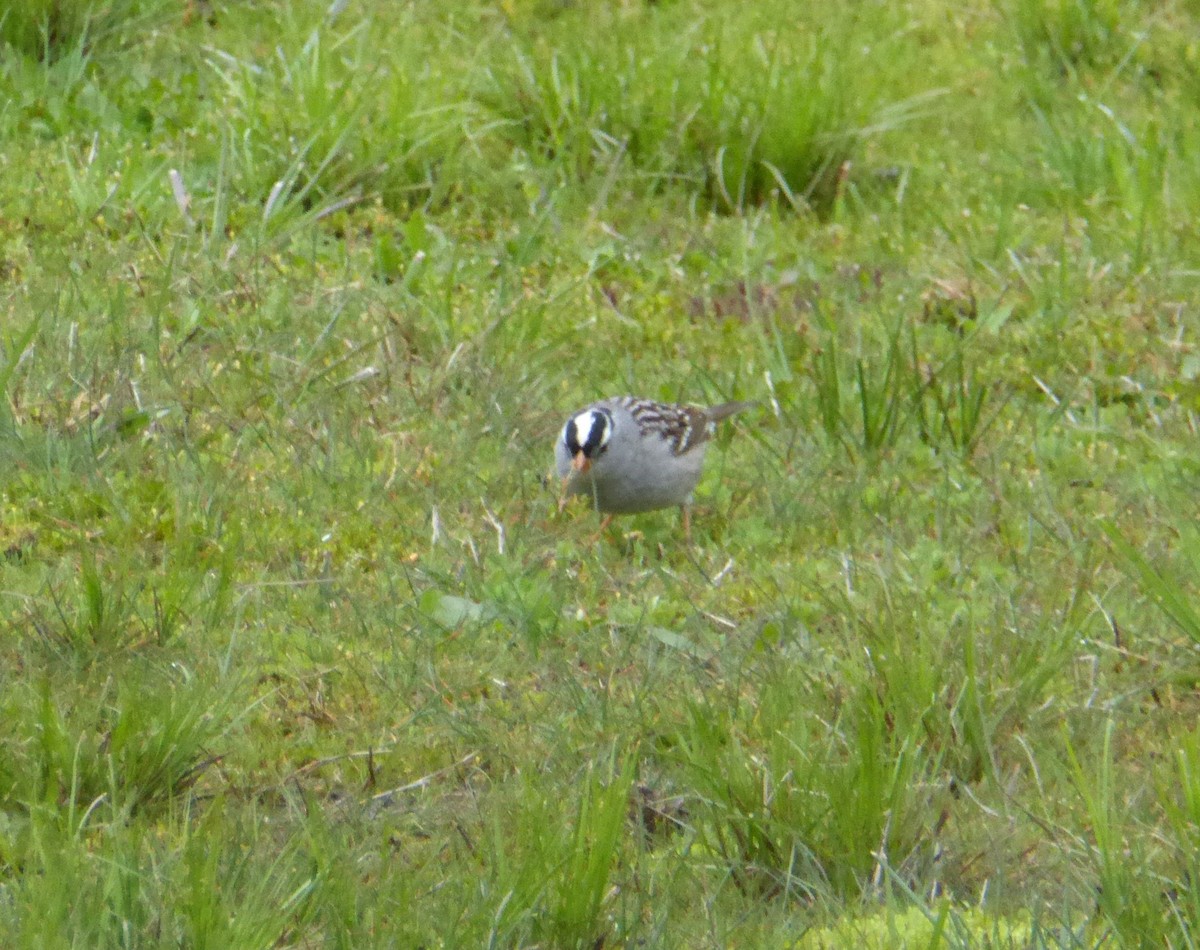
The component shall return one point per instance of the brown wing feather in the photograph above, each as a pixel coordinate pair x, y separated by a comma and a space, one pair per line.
685, 427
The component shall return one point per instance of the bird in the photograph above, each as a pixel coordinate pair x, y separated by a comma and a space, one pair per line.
631, 455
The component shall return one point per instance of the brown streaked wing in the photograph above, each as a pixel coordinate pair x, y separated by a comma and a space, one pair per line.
684, 427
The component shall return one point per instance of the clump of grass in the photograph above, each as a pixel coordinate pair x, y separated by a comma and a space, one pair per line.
1094, 156
748, 111
127, 745
1129, 891
872, 391
202, 878
1179, 793
952, 404
46, 29
1163, 585
798, 807
323, 123
862, 398
551, 876
777, 117
1073, 34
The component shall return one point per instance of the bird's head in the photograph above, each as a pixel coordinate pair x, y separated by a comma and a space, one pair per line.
586, 437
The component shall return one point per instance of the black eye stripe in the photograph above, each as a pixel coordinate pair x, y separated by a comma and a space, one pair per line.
570, 436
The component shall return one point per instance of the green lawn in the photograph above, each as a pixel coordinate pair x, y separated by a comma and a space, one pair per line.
297, 650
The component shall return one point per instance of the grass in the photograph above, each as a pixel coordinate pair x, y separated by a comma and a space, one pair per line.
297, 650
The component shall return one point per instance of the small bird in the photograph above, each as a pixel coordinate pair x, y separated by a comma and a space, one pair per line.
631, 455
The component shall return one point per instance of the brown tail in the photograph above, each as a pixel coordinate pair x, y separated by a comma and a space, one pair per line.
727, 409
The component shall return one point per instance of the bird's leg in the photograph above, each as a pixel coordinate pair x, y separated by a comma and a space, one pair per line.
686, 511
